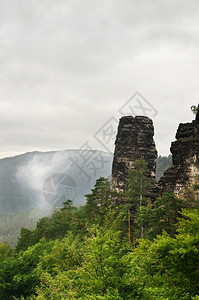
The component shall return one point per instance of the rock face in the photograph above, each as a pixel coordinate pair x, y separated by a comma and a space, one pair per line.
185, 151
134, 140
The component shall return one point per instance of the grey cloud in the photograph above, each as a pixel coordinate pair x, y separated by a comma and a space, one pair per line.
67, 66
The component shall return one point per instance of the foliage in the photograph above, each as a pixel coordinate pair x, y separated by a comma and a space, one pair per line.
51, 227
18, 207
162, 164
163, 215
11, 224
97, 272
98, 201
84, 253
137, 184
17, 276
191, 195
135, 197
195, 109
171, 265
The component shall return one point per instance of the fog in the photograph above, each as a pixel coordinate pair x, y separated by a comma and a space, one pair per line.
55, 177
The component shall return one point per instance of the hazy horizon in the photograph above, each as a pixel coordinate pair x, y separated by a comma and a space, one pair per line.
69, 67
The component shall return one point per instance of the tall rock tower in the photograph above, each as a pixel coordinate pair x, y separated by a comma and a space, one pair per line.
134, 140
185, 151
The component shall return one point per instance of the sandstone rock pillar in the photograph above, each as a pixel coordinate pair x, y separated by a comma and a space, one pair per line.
134, 140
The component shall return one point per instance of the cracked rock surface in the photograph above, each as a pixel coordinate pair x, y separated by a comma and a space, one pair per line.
133, 141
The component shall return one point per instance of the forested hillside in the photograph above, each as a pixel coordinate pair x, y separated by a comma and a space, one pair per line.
162, 164
22, 180
114, 247
33, 184
25, 180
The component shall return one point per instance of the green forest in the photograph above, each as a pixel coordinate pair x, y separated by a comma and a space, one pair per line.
19, 204
116, 246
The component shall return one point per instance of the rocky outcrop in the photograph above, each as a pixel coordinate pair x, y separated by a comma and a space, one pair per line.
134, 140
185, 152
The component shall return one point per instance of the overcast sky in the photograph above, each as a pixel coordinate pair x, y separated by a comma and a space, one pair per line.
68, 66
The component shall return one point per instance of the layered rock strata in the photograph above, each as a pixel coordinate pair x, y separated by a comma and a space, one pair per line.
185, 152
134, 140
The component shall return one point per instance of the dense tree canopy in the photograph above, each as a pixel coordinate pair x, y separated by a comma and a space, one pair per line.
85, 253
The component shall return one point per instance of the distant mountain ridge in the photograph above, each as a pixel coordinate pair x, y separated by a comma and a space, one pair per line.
32, 184
47, 179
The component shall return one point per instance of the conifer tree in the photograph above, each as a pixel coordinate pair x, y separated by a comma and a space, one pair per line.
99, 200
135, 194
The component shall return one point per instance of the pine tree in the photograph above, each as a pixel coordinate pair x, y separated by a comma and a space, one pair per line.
135, 194
98, 201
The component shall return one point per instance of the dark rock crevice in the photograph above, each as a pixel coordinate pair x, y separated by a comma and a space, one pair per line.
185, 153
135, 140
